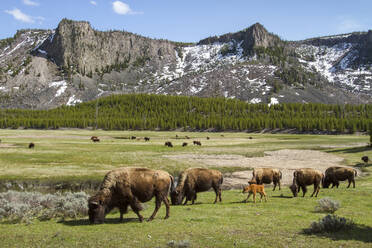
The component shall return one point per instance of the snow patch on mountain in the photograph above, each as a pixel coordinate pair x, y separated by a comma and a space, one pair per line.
61, 87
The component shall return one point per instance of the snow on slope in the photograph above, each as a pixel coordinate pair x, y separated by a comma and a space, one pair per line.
335, 64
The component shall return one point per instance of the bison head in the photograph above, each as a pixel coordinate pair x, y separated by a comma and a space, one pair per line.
294, 189
176, 197
97, 210
326, 182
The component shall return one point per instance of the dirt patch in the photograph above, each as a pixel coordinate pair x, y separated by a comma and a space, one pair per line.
7, 145
285, 160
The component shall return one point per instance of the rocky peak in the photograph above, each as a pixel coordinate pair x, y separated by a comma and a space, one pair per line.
254, 36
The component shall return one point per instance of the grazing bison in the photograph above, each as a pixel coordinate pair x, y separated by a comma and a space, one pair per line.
267, 176
125, 187
184, 144
335, 174
208, 138
194, 180
187, 137
168, 143
147, 139
365, 159
31, 145
133, 137
197, 142
304, 177
95, 139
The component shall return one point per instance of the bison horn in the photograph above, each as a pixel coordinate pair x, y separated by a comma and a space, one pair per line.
94, 203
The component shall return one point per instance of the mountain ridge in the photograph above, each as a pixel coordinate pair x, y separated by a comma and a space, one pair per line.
76, 63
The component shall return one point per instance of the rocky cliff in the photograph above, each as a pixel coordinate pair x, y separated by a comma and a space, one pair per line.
76, 63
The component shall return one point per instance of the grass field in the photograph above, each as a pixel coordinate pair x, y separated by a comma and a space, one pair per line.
280, 222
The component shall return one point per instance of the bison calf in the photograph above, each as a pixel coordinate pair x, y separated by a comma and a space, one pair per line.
305, 177
194, 180
253, 189
125, 187
335, 174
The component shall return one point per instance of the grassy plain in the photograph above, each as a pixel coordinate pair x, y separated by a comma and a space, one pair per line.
64, 154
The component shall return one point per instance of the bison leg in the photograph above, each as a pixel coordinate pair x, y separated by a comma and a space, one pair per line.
166, 202
274, 186
316, 190
249, 194
157, 206
193, 198
123, 210
304, 189
134, 205
353, 182
349, 183
220, 194
254, 197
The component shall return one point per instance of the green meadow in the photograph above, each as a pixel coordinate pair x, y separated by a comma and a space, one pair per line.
71, 155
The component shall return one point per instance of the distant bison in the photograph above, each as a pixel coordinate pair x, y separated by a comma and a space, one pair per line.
187, 137
365, 159
125, 187
147, 139
95, 139
304, 177
133, 137
168, 143
208, 138
267, 176
194, 180
335, 174
197, 142
184, 144
31, 145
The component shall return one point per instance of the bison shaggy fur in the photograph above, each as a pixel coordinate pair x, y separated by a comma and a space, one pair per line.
194, 180
305, 177
335, 174
267, 176
125, 187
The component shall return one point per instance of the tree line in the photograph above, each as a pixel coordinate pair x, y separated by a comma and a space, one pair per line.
160, 112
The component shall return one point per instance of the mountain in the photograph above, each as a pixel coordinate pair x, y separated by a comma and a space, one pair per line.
75, 63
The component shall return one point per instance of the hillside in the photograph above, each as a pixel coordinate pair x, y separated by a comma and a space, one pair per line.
158, 112
75, 63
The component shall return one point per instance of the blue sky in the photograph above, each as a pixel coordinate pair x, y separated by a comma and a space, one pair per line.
192, 20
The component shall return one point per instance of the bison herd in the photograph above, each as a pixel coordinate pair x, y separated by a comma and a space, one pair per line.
125, 187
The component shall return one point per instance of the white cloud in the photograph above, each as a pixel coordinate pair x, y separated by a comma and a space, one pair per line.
123, 9
20, 16
30, 3
93, 2
349, 25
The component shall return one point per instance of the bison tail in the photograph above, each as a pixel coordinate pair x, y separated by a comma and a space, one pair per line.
355, 172
221, 180
172, 188
280, 175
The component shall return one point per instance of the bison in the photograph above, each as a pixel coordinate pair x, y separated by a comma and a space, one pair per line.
147, 139
133, 137
184, 144
95, 139
335, 174
304, 177
196, 142
168, 143
125, 187
31, 145
267, 176
194, 180
365, 159
253, 189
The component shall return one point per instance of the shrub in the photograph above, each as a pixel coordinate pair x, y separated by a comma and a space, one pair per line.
327, 205
330, 223
179, 244
25, 206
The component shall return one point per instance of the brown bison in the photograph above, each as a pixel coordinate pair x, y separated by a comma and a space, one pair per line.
365, 159
267, 176
168, 143
95, 139
196, 142
194, 180
133, 137
31, 145
184, 144
125, 187
147, 139
335, 174
304, 177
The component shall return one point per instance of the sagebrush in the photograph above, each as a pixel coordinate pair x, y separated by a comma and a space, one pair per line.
330, 223
327, 205
25, 206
